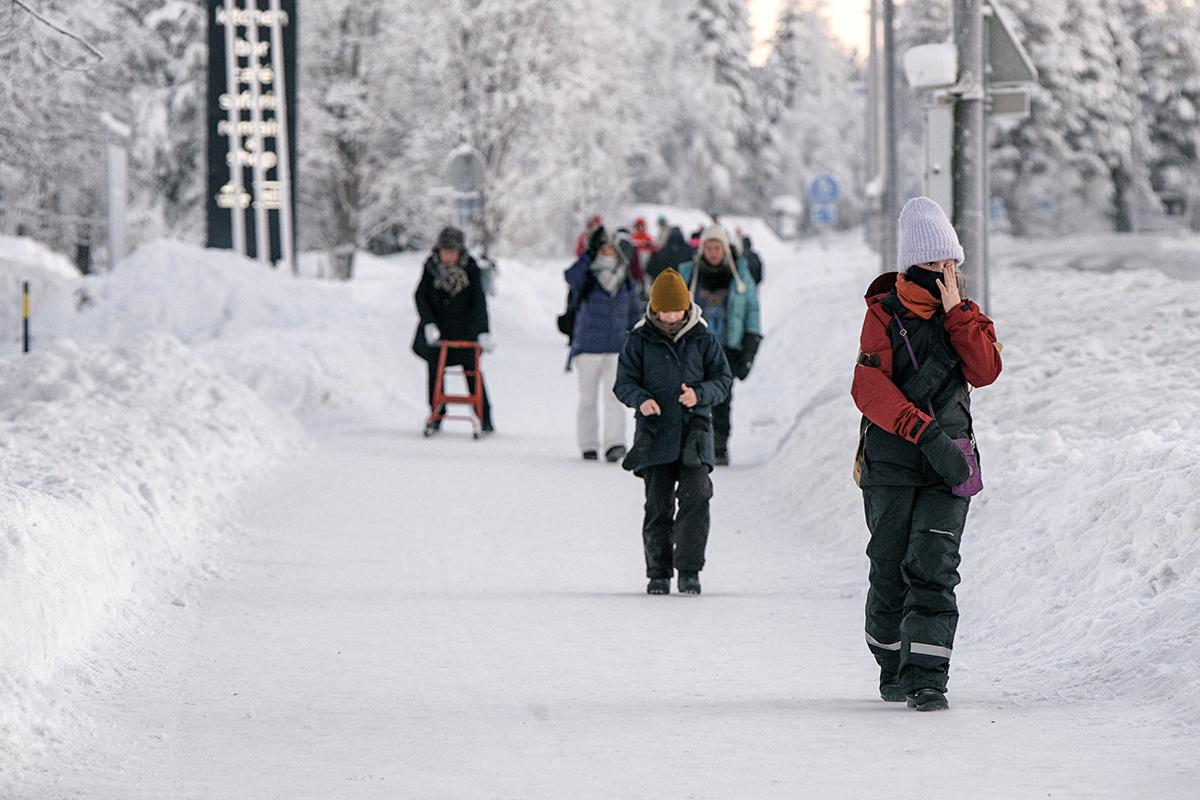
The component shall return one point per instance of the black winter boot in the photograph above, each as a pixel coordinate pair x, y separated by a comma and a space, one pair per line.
689, 582
659, 586
889, 686
928, 700
590, 455
614, 453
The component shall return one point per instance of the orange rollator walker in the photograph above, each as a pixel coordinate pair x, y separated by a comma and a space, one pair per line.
474, 399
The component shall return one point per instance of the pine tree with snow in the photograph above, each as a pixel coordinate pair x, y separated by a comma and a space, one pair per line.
1072, 165
721, 116
818, 104
1168, 36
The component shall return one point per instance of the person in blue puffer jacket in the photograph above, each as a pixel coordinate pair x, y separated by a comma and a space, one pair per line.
607, 305
726, 294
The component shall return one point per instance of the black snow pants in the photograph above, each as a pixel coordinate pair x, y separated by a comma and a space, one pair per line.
457, 358
675, 541
911, 609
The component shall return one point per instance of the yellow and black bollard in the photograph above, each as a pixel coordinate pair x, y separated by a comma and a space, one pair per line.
25, 319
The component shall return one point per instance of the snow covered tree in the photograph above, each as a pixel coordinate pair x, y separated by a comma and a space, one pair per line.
355, 128
1168, 36
498, 70
817, 114
1071, 164
51, 156
136, 61
158, 73
712, 126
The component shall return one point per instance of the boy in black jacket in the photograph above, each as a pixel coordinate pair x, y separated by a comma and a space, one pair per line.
673, 370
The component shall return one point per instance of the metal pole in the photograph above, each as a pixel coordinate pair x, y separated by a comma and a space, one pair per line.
232, 88
969, 141
118, 168
872, 132
283, 171
262, 229
889, 210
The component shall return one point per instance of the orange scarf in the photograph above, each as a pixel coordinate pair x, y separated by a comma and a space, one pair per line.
915, 299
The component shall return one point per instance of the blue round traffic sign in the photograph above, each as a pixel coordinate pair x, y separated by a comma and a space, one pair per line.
823, 189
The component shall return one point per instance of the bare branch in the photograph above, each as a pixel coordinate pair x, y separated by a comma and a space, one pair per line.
88, 45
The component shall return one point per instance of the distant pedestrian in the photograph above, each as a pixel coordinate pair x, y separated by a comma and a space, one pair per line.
664, 228
723, 289
452, 306
605, 297
673, 370
922, 349
753, 260
642, 238
633, 258
674, 251
593, 223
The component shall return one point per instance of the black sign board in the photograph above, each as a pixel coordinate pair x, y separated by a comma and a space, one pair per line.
251, 114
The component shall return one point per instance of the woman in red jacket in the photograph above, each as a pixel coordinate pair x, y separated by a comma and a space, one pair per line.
922, 349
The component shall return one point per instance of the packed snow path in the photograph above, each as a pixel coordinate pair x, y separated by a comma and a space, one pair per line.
460, 619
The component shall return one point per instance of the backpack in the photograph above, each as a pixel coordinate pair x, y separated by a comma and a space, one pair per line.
566, 320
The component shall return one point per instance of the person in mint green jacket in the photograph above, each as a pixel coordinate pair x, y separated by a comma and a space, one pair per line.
728, 298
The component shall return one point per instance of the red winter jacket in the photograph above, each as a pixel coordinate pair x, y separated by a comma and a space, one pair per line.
972, 336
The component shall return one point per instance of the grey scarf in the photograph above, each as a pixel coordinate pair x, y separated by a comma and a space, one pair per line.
610, 273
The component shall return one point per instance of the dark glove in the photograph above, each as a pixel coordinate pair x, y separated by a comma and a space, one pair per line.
596, 241
750, 343
944, 455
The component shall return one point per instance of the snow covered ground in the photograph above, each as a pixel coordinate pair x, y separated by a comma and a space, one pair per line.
380, 615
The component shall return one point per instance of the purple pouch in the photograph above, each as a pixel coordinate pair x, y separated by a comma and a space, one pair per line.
974, 484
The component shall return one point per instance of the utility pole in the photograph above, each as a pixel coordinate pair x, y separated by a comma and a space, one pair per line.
888, 207
969, 142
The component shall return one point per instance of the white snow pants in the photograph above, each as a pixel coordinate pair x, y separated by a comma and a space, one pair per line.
597, 374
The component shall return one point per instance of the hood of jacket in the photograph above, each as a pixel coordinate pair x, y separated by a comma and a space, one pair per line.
693, 318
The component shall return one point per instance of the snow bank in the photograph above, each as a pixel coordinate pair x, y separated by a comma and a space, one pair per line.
114, 462
1081, 561
313, 347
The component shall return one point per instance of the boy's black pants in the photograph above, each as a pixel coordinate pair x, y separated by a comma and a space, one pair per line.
912, 613
675, 541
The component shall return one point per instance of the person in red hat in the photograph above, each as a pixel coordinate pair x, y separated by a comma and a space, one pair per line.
581, 246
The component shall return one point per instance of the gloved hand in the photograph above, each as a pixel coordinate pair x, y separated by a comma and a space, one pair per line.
432, 334
944, 455
750, 343
486, 342
595, 242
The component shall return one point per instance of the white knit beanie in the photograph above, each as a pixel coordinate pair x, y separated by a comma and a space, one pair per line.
926, 235
717, 231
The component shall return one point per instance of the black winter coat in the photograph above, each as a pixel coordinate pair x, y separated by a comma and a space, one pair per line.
673, 253
461, 317
652, 366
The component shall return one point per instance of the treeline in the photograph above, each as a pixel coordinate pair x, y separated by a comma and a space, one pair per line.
578, 108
